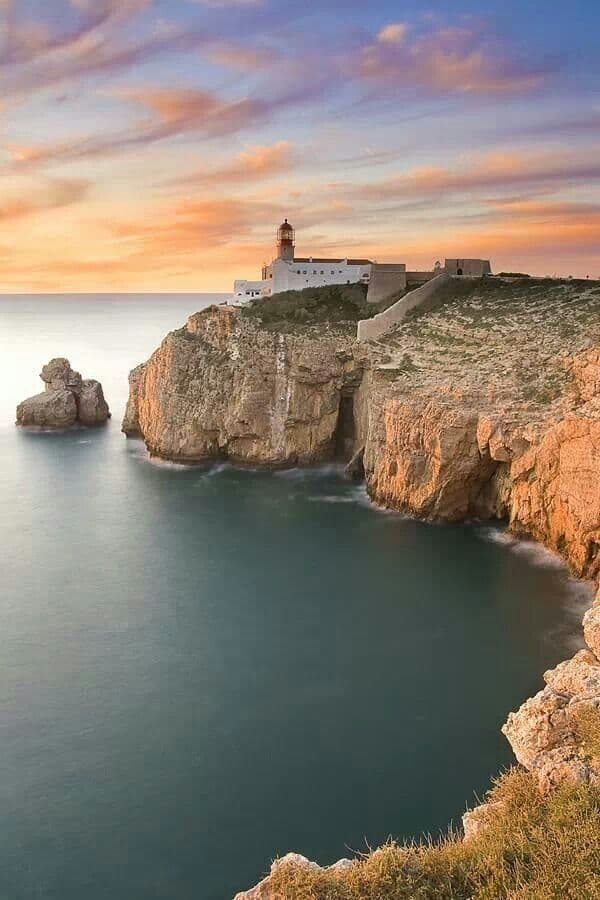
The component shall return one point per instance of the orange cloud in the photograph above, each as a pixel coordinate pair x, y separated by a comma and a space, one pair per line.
254, 164
27, 200
248, 59
492, 172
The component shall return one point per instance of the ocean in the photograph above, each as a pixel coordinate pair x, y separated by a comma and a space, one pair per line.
203, 668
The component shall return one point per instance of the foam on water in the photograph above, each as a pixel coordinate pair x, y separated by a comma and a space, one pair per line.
332, 498
537, 553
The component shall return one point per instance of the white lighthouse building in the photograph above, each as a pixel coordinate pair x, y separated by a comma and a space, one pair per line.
287, 272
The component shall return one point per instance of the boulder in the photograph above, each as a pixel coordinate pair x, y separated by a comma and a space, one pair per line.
591, 628
67, 400
52, 409
93, 408
475, 821
58, 375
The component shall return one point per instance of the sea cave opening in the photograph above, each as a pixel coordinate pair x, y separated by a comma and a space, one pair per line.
345, 431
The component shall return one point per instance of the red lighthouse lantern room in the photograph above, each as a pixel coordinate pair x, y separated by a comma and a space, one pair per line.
286, 242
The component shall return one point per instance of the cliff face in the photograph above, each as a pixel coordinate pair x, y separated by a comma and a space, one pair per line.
471, 415
488, 406
223, 387
435, 455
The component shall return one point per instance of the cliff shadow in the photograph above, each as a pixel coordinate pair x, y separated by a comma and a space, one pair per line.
345, 432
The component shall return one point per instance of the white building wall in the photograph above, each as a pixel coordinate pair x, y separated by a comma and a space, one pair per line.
299, 275
248, 290
284, 276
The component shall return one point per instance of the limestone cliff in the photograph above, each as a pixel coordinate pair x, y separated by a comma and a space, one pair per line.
490, 407
223, 387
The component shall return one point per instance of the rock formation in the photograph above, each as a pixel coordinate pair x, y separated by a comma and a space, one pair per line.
67, 400
222, 387
544, 732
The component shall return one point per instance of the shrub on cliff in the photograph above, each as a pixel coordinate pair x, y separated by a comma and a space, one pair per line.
534, 847
337, 303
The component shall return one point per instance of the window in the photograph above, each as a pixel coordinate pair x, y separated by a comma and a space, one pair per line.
333, 271
314, 271
322, 272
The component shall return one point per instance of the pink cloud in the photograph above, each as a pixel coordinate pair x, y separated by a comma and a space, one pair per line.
459, 60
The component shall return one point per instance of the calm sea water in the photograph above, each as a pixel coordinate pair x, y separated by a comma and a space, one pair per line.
204, 668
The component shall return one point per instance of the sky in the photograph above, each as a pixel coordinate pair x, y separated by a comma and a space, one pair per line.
156, 145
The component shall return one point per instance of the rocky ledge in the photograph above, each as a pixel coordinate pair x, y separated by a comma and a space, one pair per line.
67, 400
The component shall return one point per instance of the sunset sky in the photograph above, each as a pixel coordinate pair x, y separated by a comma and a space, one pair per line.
157, 144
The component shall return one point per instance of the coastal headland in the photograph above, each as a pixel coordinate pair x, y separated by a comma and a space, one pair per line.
485, 406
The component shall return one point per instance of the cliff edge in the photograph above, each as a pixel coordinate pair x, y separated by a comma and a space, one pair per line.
223, 387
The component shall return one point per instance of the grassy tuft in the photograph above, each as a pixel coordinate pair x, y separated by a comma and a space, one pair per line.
536, 847
587, 728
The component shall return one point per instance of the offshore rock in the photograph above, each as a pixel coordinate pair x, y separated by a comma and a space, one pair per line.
67, 400
92, 407
52, 409
224, 387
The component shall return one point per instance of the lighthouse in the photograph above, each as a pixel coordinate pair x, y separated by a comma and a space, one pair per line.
286, 242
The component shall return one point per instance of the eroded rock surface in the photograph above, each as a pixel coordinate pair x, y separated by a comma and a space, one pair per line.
490, 406
67, 400
223, 387
544, 732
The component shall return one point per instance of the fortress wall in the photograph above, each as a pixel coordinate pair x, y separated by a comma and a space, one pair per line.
368, 329
386, 279
420, 277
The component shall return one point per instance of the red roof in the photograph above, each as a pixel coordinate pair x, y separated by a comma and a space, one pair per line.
316, 260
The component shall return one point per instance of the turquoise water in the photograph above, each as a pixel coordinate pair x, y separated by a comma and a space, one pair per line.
204, 668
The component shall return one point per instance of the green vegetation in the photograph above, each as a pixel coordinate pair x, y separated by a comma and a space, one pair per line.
534, 847
337, 304
587, 726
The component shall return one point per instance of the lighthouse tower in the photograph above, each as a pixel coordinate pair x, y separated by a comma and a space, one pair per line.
286, 242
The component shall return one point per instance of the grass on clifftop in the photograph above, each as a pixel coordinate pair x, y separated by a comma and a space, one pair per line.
337, 304
534, 848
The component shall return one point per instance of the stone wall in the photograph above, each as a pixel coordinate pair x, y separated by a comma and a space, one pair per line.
368, 329
469, 268
421, 277
386, 279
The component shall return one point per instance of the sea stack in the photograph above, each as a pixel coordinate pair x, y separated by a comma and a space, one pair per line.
68, 400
